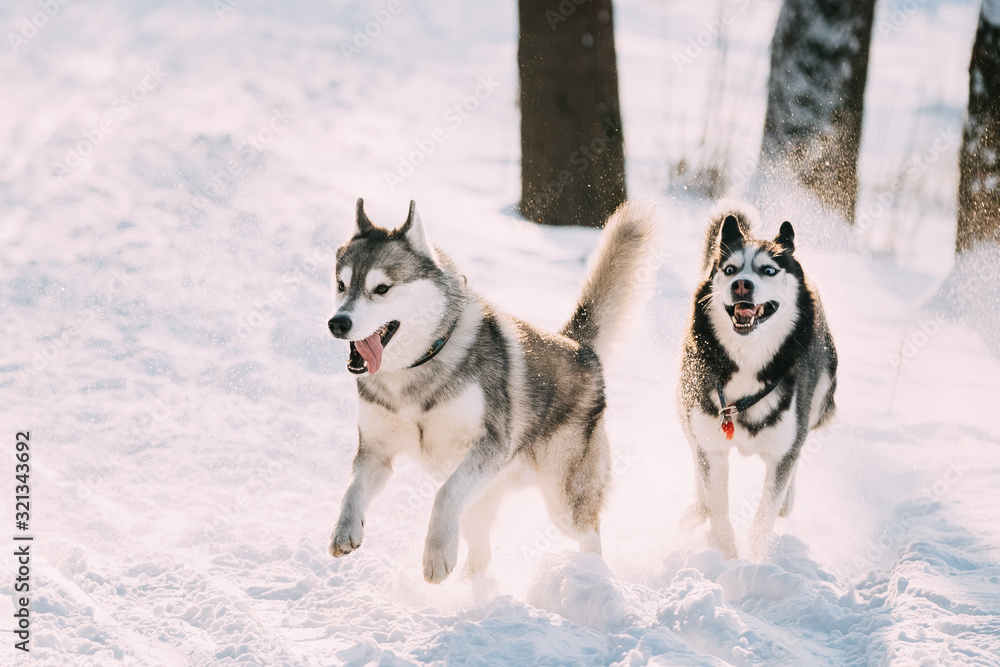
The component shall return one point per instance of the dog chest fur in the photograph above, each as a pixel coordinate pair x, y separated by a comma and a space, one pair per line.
437, 438
773, 441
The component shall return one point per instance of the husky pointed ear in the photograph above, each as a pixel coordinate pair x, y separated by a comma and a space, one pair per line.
414, 233
786, 237
730, 236
362, 225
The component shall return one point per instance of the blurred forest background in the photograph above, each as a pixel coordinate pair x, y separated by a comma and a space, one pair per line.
573, 164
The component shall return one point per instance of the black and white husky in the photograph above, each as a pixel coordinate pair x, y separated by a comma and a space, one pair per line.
758, 372
480, 398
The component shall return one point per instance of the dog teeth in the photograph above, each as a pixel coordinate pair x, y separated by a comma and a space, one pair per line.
760, 310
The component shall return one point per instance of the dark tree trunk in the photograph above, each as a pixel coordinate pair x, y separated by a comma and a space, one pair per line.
815, 97
572, 151
979, 161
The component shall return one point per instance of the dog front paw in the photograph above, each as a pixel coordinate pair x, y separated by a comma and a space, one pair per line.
440, 556
346, 537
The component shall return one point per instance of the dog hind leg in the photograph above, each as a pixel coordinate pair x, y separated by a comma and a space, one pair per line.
476, 525
584, 490
573, 477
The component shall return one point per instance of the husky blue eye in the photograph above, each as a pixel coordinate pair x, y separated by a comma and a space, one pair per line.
382, 289
769, 271
729, 270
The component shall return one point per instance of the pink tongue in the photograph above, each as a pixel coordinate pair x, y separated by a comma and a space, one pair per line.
370, 350
746, 312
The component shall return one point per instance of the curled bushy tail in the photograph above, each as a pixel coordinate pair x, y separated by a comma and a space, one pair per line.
621, 274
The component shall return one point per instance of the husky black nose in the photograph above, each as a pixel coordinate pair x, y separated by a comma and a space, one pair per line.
743, 289
339, 325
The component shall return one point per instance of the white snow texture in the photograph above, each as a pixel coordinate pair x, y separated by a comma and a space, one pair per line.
175, 178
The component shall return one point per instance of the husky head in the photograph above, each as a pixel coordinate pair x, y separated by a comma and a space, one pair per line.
755, 288
393, 294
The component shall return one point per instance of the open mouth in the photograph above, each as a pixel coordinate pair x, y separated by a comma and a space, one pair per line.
746, 316
366, 354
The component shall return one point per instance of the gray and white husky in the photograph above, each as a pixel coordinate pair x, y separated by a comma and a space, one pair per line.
759, 371
480, 398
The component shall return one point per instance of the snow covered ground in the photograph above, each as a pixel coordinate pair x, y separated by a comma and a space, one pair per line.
174, 179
